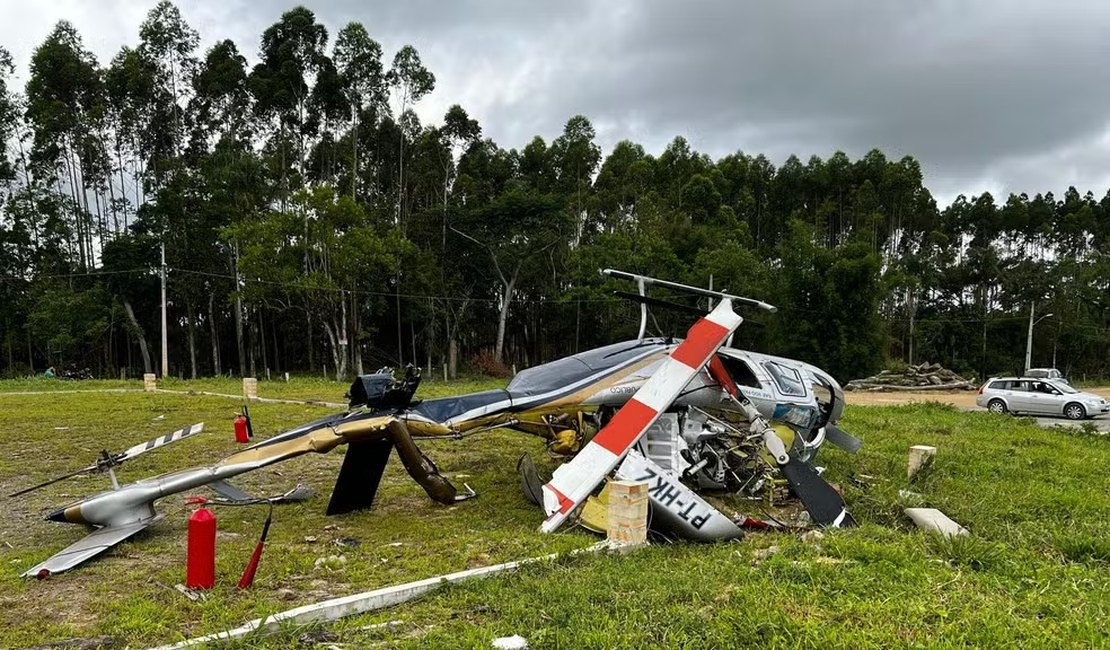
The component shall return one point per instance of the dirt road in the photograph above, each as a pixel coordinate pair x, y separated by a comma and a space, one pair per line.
961, 399
966, 400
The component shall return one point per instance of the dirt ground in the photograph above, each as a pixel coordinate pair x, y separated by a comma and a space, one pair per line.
961, 399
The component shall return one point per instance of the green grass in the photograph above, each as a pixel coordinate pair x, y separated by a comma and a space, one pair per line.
1034, 573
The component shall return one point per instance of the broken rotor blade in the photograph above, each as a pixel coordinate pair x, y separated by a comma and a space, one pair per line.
573, 482
823, 503
160, 441
109, 460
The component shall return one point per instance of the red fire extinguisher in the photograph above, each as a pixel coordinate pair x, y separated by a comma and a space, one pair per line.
243, 430
200, 570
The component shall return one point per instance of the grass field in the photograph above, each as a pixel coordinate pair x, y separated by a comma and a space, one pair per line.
1034, 573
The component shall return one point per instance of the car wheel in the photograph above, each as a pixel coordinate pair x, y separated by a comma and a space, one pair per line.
1074, 411
996, 406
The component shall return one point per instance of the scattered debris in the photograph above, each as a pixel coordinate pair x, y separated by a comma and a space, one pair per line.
923, 376
935, 520
61, 428
336, 608
158, 419
514, 642
388, 626
317, 636
812, 536
911, 498
348, 542
761, 554
81, 643
310, 539
331, 562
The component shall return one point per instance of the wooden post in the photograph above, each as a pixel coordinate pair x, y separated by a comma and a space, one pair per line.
628, 511
150, 382
921, 456
250, 387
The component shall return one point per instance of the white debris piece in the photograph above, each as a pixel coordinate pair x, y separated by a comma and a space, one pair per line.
935, 520
514, 642
921, 456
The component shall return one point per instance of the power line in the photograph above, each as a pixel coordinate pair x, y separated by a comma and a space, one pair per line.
386, 294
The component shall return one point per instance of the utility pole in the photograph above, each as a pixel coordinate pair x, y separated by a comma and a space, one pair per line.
165, 338
1029, 340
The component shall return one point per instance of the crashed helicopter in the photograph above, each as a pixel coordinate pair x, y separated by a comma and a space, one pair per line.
694, 417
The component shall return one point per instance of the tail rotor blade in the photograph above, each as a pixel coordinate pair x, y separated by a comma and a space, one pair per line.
161, 441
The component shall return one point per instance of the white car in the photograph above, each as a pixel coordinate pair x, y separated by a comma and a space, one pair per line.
1039, 397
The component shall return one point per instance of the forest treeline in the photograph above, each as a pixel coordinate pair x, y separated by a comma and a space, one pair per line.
311, 222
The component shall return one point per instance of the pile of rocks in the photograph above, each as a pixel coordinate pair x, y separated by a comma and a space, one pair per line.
923, 376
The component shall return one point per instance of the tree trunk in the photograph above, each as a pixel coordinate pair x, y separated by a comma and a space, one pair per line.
277, 353
338, 346
138, 331
310, 343
912, 305
251, 344
504, 316
216, 370
239, 320
262, 343
191, 335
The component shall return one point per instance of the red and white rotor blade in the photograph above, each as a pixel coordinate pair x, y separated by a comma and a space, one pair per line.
573, 482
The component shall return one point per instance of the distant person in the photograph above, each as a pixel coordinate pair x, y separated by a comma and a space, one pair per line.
49, 372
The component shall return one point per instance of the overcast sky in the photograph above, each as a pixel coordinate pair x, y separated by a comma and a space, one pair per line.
998, 95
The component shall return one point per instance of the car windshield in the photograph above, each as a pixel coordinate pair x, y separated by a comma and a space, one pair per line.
1062, 387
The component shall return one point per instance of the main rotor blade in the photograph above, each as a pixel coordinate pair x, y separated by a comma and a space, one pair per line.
141, 448
161, 441
52, 481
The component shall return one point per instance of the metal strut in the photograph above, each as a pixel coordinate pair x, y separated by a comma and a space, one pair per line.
643, 311
644, 280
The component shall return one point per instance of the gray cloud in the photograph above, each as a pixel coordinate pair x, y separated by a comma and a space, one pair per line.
994, 95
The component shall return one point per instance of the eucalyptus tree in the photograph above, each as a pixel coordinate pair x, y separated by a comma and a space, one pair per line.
358, 60
221, 101
64, 100
410, 82
167, 43
574, 159
514, 230
130, 87
9, 117
291, 54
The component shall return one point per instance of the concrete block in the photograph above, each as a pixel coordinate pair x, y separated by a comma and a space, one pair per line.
250, 387
935, 520
921, 456
150, 382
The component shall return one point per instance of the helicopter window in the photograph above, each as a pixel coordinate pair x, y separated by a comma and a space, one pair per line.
788, 379
741, 372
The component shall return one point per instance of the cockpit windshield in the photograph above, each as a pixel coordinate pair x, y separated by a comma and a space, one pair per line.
788, 379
